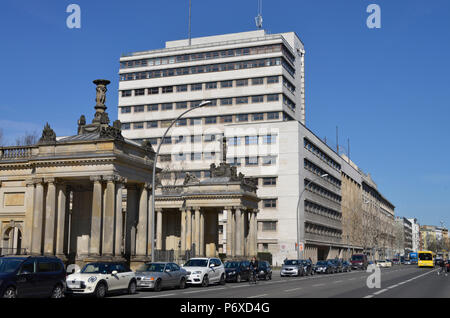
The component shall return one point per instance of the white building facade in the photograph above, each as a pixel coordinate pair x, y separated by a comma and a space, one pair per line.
256, 85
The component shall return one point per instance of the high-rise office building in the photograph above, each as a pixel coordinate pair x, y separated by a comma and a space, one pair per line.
256, 84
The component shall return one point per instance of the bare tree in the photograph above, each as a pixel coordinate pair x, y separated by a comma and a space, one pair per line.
27, 139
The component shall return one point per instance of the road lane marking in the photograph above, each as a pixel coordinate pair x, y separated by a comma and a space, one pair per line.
398, 284
338, 281
317, 285
165, 295
257, 296
380, 291
289, 290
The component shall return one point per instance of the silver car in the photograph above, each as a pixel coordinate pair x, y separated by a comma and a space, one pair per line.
161, 275
292, 268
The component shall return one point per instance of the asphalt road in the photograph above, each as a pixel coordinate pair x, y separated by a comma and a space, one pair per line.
398, 281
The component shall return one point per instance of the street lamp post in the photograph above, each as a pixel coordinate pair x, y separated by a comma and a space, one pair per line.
154, 173
298, 212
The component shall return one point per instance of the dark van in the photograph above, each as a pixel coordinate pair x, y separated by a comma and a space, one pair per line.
359, 261
32, 277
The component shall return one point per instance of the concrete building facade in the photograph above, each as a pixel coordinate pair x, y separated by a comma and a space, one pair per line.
256, 85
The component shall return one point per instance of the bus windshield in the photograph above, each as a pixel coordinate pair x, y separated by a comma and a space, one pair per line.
425, 256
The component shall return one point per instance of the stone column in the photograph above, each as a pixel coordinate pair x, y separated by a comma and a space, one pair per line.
252, 234
238, 234
131, 220
159, 217
229, 241
183, 229
109, 220
96, 217
197, 231
202, 233
61, 228
50, 218
27, 233
141, 239
118, 239
188, 229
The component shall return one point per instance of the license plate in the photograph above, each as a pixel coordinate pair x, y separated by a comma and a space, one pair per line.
74, 284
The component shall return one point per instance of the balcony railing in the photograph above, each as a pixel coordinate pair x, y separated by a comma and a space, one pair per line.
11, 153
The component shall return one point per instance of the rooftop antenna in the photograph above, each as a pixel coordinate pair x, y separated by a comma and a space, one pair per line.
189, 30
259, 18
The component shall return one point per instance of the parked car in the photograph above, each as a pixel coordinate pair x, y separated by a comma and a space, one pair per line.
396, 261
359, 261
100, 278
236, 271
388, 263
346, 266
264, 270
292, 267
307, 267
205, 271
161, 275
384, 263
324, 267
407, 262
32, 277
338, 265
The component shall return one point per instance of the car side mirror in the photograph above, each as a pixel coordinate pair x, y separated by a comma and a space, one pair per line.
25, 273
114, 273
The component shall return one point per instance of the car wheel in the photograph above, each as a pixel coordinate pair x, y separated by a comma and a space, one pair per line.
100, 290
222, 280
10, 292
238, 278
157, 287
132, 288
205, 281
182, 283
58, 292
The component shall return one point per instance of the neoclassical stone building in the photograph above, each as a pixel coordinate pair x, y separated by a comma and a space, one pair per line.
88, 197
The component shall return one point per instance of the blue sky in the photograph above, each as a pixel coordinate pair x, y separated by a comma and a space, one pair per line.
387, 89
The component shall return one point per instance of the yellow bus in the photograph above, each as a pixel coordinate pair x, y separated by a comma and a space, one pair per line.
425, 259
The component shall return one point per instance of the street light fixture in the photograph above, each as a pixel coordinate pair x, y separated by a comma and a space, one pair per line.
154, 173
298, 212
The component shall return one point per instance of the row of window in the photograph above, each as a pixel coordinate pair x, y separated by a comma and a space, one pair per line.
311, 186
230, 101
265, 181
199, 156
322, 155
206, 86
320, 172
239, 118
200, 69
183, 58
322, 230
321, 210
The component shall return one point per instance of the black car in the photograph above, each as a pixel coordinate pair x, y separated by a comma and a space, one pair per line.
236, 271
264, 270
325, 267
30, 277
307, 267
338, 265
346, 266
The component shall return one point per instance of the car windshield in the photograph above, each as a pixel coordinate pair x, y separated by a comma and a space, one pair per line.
9, 265
357, 258
322, 263
380, 261
98, 268
197, 263
231, 264
290, 262
151, 268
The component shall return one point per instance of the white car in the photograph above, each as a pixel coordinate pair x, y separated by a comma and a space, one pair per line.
383, 263
205, 271
100, 278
